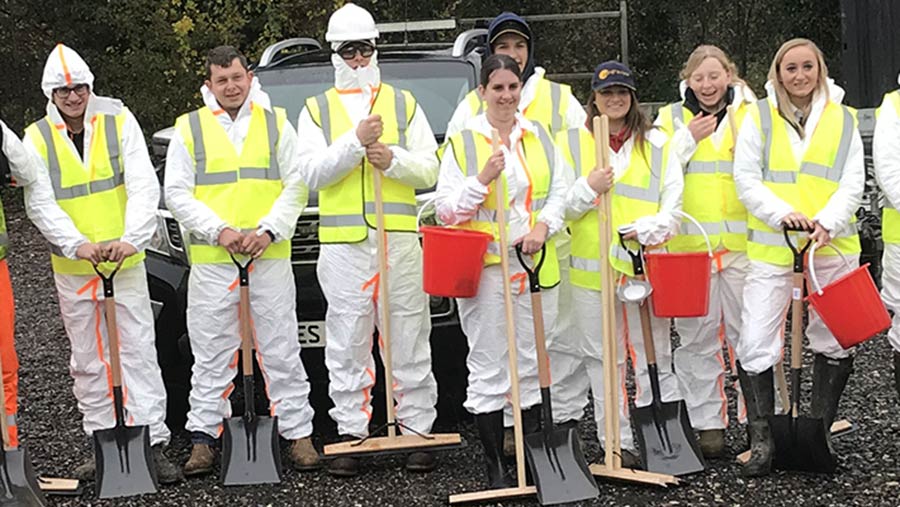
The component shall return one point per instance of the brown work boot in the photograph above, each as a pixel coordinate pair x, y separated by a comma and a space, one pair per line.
712, 443
304, 455
86, 471
201, 461
509, 442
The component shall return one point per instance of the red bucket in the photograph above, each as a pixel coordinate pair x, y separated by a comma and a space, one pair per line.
850, 306
680, 283
453, 261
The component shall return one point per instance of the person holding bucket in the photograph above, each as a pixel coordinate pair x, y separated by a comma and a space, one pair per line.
536, 180
646, 182
702, 126
886, 152
798, 163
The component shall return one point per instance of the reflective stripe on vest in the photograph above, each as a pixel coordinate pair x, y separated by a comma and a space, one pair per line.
91, 193
239, 188
890, 217
550, 113
472, 151
805, 186
347, 206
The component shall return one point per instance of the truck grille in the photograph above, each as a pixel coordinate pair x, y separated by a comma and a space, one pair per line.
305, 243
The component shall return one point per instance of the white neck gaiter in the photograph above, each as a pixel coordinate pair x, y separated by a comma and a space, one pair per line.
367, 78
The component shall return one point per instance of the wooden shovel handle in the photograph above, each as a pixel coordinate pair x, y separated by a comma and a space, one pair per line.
112, 329
537, 308
246, 329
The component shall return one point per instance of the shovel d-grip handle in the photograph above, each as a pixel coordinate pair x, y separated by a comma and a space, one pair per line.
534, 284
798, 253
246, 331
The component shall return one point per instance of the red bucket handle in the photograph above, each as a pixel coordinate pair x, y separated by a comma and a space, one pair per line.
812, 265
697, 223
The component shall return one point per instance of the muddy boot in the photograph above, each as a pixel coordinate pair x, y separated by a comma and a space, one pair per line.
531, 420
490, 432
201, 462
344, 466
86, 471
829, 379
420, 461
304, 455
166, 472
712, 443
897, 372
629, 458
509, 442
759, 393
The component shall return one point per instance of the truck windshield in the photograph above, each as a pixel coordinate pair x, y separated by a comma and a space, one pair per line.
438, 85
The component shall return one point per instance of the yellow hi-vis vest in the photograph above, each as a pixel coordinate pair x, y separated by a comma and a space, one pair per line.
806, 185
472, 151
890, 217
551, 101
636, 194
709, 192
92, 193
240, 189
347, 207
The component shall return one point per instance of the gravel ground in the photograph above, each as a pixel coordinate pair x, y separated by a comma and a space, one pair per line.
50, 426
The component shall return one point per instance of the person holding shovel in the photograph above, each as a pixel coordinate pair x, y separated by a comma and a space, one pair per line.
93, 194
359, 126
536, 179
886, 151
648, 186
798, 163
232, 181
703, 127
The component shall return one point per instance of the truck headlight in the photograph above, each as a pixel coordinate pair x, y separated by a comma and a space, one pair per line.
168, 239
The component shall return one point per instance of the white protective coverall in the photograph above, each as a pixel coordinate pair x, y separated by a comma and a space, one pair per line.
346, 270
459, 200
699, 360
886, 152
80, 297
767, 289
578, 359
213, 297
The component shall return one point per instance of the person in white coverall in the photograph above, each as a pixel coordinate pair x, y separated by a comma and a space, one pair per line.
647, 190
359, 126
93, 194
536, 182
798, 162
703, 142
555, 107
886, 152
232, 181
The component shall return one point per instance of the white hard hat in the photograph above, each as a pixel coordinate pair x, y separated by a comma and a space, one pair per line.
65, 68
351, 22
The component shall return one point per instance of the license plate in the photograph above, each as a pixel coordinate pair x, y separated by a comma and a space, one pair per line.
311, 334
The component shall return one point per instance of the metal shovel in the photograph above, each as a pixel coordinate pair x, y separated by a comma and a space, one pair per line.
250, 449
125, 466
554, 455
664, 434
801, 442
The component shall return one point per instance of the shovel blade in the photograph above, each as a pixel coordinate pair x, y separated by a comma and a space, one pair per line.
18, 484
557, 464
250, 451
125, 466
666, 439
801, 445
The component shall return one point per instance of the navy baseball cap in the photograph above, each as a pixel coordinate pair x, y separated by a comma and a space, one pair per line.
612, 73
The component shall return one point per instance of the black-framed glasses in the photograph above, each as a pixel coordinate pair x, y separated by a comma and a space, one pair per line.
80, 89
349, 51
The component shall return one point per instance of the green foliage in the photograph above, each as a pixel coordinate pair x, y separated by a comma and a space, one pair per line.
150, 53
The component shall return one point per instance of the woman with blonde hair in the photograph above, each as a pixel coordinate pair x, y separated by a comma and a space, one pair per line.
798, 163
703, 140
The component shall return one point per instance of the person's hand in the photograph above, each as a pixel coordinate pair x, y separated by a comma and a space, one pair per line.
534, 240
117, 251
797, 220
631, 235
369, 130
600, 180
231, 240
91, 252
820, 235
255, 244
492, 168
702, 126
379, 155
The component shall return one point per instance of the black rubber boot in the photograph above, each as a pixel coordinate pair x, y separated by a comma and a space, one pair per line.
490, 431
531, 420
829, 379
897, 372
759, 393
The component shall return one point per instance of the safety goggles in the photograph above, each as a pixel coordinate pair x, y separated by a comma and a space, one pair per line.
80, 89
349, 51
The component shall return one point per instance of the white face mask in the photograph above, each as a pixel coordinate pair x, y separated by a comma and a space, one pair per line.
366, 78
